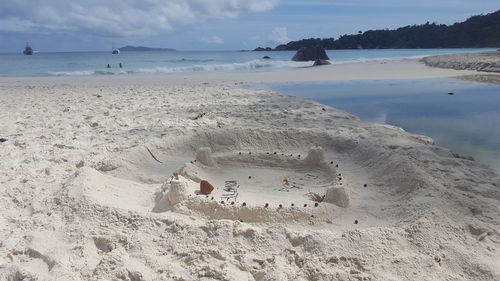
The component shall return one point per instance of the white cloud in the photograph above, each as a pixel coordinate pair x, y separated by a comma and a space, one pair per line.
120, 17
279, 35
213, 40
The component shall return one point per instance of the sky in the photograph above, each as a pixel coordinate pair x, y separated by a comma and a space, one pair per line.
98, 25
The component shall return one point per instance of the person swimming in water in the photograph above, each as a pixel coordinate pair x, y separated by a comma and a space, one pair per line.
108, 66
121, 65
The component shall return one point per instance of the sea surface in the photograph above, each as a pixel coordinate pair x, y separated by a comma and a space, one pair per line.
460, 115
137, 63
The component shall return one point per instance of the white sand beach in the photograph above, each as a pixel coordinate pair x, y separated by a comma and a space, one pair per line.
88, 192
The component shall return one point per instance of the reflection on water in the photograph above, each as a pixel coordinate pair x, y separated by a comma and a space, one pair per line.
467, 122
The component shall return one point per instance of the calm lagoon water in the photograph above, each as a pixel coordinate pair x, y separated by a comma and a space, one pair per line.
467, 122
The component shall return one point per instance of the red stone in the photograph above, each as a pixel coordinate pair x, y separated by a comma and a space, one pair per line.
205, 187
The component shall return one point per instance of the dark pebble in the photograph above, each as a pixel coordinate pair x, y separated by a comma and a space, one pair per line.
244, 204
365, 185
232, 203
240, 153
305, 205
331, 162
267, 205
356, 222
222, 202
2, 140
336, 166
274, 152
293, 204
280, 206
249, 177
323, 109
316, 204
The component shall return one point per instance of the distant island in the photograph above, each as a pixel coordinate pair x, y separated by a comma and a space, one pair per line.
142, 49
481, 31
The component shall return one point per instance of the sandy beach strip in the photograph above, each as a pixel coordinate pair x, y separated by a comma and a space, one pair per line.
88, 194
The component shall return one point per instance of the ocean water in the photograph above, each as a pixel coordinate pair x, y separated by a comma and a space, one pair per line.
137, 63
466, 122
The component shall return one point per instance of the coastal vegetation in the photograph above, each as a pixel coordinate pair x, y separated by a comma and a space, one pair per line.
480, 31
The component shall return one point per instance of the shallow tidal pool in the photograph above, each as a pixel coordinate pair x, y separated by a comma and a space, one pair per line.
460, 115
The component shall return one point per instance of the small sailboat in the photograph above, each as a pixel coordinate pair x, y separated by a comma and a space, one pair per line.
28, 50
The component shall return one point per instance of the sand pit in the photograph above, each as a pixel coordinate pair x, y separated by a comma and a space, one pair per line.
249, 186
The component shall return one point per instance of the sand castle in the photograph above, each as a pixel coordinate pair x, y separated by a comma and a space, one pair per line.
256, 176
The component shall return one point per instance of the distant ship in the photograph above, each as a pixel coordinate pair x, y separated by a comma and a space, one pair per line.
28, 50
115, 51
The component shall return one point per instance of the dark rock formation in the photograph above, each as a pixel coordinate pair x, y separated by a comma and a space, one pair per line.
310, 54
266, 57
321, 62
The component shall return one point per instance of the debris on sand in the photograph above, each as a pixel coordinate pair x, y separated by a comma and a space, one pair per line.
206, 187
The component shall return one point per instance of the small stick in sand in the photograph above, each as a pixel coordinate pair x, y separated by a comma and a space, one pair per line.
199, 116
154, 157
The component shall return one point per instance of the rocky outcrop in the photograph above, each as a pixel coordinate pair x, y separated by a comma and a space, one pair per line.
321, 62
310, 54
485, 62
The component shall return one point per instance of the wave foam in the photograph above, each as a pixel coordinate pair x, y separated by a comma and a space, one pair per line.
221, 67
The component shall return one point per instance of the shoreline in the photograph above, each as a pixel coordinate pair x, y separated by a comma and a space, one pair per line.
379, 70
88, 194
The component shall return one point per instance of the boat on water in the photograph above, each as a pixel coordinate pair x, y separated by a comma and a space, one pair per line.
28, 50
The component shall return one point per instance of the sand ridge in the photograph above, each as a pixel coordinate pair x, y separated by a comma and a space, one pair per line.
80, 190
